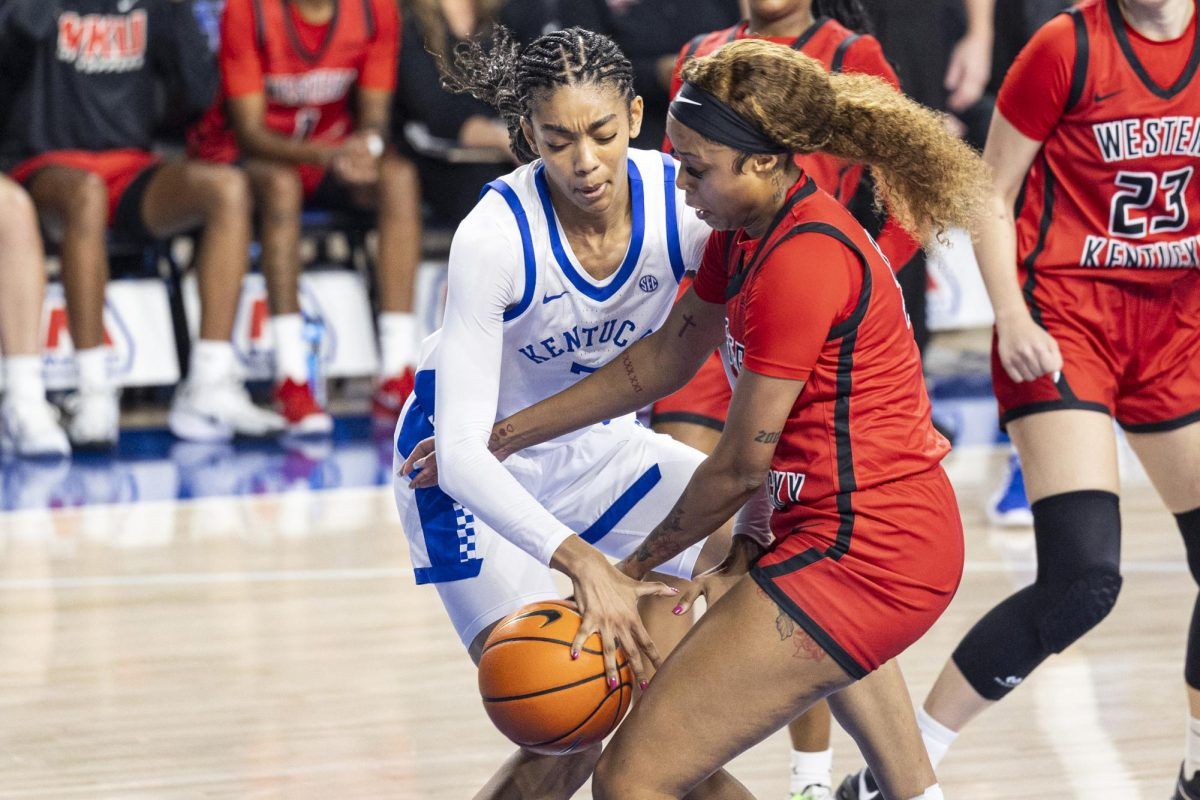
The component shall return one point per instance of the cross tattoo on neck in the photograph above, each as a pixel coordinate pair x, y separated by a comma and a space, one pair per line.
687, 323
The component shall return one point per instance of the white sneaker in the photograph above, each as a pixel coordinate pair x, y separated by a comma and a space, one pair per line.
95, 418
31, 429
218, 412
814, 791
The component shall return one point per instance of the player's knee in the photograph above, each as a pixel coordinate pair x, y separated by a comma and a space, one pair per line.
225, 190
87, 204
1189, 528
18, 217
1079, 560
612, 780
278, 190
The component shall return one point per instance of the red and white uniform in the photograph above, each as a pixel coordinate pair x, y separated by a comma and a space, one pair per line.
307, 73
705, 399
1108, 223
868, 548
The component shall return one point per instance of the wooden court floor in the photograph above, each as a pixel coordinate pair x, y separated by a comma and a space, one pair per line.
276, 647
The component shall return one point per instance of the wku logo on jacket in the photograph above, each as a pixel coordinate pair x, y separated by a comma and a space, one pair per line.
103, 42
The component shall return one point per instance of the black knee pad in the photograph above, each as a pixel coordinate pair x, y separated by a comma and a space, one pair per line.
1189, 528
1078, 538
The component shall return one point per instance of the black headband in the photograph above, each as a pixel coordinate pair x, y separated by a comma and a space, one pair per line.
712, 119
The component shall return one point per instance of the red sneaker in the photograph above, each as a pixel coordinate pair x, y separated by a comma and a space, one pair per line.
389, 397
303, 413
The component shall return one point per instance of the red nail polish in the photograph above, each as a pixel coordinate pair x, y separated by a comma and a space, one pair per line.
643, 685
677, 610
674, 590
574, 654
612, 683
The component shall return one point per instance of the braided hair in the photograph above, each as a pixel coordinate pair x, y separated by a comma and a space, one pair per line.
848, 12
511, 79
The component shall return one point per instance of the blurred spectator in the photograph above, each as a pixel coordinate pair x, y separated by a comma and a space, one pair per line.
80, 79
439, 125
650, 32
28, 424
305, 108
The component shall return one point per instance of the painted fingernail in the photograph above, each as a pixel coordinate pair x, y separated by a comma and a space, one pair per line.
677, 610
612, 683
674, 590
574, 654
642, 685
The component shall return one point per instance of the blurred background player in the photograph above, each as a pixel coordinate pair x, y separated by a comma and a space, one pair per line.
28, 423
305, 107
834, 33
1097, 321
81, 76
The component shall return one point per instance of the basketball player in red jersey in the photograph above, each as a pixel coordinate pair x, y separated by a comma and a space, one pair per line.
1098, 134
868, 543
80, 79
306, 94
825, 30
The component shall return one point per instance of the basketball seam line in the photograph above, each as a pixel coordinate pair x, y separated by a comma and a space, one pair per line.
509, 698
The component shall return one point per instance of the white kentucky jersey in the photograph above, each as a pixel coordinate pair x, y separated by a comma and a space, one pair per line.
566, 324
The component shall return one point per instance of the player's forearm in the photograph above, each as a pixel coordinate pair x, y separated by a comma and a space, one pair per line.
713, 495
646, 372
996, 251
258, 142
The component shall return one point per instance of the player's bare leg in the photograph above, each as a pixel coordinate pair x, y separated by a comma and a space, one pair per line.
77, 201
1172, 460
725, 705
399, 203
184, 195
278, 198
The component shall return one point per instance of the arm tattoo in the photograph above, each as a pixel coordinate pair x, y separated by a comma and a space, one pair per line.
663, 542
627, 362
499, 434
767, 437
688, 322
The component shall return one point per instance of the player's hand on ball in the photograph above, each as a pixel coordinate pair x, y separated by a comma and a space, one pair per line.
608, 601
714, 583
422, 458
1026, 350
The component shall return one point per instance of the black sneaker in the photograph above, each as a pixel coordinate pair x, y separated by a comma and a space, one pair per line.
1184, 790
861, 786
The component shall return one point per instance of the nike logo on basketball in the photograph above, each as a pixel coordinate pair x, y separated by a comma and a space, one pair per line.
550, 615
546, 298
1100, 98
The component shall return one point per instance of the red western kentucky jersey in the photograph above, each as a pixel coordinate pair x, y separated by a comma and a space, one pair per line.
306, 72
835, 46
1113, 191
814, 300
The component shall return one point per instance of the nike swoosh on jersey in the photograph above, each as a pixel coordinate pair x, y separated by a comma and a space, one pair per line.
546, 298
1100, 98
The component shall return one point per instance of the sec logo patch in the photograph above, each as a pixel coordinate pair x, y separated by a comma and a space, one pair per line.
648, 283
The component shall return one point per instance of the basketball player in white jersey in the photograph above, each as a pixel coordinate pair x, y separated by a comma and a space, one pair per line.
562, 264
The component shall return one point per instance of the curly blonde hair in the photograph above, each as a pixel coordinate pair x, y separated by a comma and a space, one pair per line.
928, 180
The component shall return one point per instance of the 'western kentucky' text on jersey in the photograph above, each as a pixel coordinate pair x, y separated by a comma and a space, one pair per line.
1114, 190
306, 72
815, 300
82, 74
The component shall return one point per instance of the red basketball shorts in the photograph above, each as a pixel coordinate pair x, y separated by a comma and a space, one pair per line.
1130, 350
867, 582
119, 169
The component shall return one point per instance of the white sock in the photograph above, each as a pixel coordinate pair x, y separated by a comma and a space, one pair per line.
92, 365
1191, 761
398, 345
811, 768
23, 379
936, 736
291, 352
932, 793
213, 362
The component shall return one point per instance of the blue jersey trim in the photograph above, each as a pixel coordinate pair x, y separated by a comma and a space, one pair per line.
448, 528
583, 284
673, 250
617, 511
514, 205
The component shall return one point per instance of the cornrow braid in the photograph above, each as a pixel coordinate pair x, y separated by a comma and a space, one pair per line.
511, 79
849, 13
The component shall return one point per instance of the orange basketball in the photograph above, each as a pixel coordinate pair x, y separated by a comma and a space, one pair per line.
537, 695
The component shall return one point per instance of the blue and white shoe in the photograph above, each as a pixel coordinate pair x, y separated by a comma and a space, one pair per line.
1009, 505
